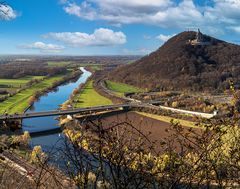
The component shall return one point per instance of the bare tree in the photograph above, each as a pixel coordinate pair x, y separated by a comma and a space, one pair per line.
118, 155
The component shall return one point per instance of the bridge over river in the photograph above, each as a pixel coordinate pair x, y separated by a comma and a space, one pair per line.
127, 106
65, 112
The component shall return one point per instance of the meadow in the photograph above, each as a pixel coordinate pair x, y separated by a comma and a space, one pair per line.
18, 83
121, 88
90, 97
58, 63
11, 86
19, 102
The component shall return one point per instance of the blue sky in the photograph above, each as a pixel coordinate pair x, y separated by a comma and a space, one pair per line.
110, 27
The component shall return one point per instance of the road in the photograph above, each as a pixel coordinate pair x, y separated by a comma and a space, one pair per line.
151, 105
131, 103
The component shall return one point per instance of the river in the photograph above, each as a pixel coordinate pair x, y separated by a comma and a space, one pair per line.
51, 101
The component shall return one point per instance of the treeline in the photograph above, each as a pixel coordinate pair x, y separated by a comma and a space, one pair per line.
17, 70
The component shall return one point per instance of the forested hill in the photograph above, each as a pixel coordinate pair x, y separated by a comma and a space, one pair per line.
178, 65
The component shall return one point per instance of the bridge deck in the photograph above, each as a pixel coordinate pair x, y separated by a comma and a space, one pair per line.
62, 112
101, 108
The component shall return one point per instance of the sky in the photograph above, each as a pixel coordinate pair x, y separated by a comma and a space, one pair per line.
110, 27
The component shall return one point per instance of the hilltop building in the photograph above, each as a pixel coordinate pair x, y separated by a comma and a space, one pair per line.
200, 39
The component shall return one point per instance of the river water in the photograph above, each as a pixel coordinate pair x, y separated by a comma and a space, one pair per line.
51, 101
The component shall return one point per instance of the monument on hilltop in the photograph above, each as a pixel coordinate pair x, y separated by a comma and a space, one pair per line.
199, 40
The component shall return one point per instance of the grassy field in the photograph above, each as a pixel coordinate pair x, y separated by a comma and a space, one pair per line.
90, 97
18, 82
70, 64
12, 85
168, 119
95, 67
121, 88
59, 64
19, 102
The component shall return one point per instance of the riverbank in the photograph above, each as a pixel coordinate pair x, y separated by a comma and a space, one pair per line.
24, 99
86, 95
52, 101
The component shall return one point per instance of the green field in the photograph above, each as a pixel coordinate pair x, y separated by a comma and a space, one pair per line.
12, 85
70, 64
59, 64
94, 67
90, 97
18, 82
19, 102
121, 88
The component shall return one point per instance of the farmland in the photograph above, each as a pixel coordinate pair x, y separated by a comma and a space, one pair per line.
58, 63
12, 85
19, 102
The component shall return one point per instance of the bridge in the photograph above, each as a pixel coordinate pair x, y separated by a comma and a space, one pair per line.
127, 106
28, 115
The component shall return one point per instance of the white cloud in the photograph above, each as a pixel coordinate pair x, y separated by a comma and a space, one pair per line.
43, 47
214, 17
155, 12
7, 12
83, 11
164, 38
134, 3
100, 37
235, 29
224, 11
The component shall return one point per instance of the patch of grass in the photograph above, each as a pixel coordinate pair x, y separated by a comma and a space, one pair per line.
90, 97
59, 64
121, 88
19, 102
18, 82
12, 85
168, 119
95, 67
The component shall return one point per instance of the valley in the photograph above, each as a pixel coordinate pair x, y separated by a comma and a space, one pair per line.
119, 94
126, 118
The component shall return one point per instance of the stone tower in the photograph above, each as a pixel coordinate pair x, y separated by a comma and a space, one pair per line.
199, 37
199, 40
